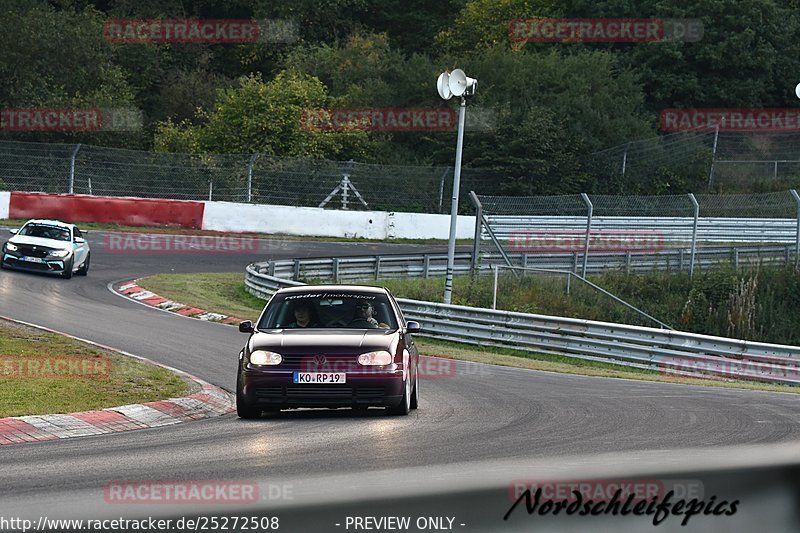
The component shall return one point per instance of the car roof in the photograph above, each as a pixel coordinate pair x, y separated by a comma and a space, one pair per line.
331, 288
51, 222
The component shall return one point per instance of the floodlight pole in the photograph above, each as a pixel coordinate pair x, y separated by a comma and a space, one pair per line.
451, 244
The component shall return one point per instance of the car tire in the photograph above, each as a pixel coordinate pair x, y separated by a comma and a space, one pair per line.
414, 397
68, 268
244, 409
84, 269
405, 402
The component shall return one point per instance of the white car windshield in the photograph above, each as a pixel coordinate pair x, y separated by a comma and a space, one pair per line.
45, 231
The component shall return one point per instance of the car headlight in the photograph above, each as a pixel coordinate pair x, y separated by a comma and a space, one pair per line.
375, 358
262, 357
11, 247
59, 253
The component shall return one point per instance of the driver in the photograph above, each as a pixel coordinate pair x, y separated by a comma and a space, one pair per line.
363, 317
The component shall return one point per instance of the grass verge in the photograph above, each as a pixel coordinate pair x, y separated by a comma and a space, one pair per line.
35, 377
215, 292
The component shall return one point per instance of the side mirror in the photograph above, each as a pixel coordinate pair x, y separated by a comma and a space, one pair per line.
246, 327
413, 327
14, 231
79, 240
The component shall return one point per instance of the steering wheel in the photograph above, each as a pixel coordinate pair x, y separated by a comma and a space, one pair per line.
361, 323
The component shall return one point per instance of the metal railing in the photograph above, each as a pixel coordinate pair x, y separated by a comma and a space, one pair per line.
343, 269
583, 223
672, 352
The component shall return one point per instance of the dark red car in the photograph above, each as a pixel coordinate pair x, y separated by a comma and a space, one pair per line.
328, 346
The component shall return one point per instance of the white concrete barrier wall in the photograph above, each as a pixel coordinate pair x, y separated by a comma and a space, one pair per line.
5, 201
313, 221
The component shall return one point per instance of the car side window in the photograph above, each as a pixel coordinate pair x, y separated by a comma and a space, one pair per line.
76, 233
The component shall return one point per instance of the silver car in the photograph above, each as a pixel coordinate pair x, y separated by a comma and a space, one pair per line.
49, 246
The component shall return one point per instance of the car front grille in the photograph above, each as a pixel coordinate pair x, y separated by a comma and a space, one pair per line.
309, 363
319, 394
29, 250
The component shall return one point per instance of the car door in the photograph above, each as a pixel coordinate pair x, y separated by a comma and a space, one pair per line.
80, 246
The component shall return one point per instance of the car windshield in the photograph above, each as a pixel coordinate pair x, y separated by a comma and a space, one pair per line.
45, 231
329, 310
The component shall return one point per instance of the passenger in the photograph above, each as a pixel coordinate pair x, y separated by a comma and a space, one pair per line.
305, 316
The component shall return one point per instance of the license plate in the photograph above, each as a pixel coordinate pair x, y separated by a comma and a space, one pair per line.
320, 377
32, 259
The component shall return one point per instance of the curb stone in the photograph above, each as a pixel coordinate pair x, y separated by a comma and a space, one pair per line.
210, 401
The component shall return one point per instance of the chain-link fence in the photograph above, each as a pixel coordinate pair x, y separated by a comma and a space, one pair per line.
103, 171
586, 225
711, 160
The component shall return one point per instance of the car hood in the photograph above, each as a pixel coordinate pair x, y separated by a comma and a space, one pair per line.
40, 241
332, 340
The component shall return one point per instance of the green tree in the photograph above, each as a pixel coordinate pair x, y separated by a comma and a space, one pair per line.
265, 118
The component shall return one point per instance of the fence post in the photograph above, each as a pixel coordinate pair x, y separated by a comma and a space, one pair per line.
494, 287
797, 234
441, 187
714, 156
476, 240
377, 267
210, 189
696, 206
426, 264
72, 169
250, 177
590, 208
335, 268
625, 159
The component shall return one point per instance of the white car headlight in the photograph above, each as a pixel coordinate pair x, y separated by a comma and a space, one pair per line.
375, 358
11, 247
59, 253
262, 357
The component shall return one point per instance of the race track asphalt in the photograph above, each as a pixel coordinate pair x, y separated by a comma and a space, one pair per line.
479, 414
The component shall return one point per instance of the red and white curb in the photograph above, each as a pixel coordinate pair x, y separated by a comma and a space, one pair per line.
133, 291
209, 401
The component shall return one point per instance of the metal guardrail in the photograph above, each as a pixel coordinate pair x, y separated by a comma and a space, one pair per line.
664, 229
673, 352
343, 269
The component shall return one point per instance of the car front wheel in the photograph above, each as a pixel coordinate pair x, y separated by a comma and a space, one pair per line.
244, 409
68, 268
414, 394
405, 402
84, 269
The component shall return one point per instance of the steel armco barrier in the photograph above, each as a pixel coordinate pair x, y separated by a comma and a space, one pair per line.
672, 352
432, 265
669, 230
